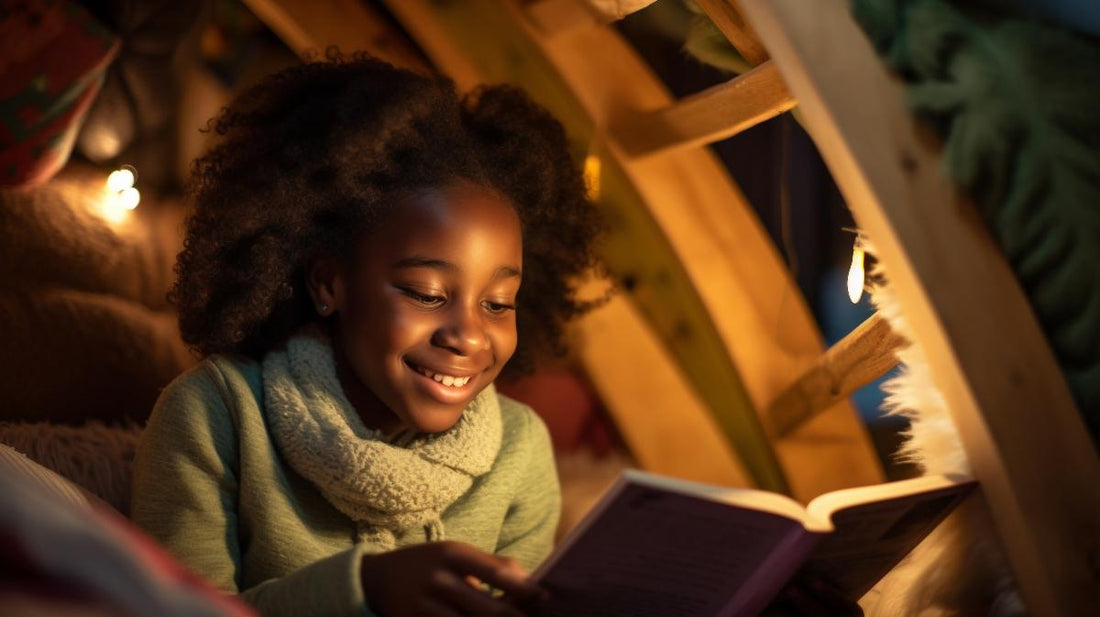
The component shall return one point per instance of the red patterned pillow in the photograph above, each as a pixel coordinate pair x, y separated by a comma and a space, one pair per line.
53, 56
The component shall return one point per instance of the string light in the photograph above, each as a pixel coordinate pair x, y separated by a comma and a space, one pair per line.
121, 179
129, 198
856, 273
122, 196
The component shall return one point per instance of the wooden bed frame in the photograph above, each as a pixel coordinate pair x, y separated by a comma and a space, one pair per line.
711, 363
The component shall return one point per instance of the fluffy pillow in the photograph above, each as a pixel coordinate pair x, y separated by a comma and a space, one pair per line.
58, 547
95, 457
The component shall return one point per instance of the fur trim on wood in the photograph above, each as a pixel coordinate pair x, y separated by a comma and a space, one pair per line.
959, 569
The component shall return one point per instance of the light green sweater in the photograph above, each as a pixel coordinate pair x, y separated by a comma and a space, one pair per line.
209, 484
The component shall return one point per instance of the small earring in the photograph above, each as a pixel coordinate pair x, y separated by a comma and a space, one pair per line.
324, 309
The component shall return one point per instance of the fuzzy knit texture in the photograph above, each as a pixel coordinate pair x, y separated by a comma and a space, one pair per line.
377, 484
211, 485
96, 457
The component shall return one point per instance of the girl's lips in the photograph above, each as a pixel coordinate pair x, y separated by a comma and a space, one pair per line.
438, 389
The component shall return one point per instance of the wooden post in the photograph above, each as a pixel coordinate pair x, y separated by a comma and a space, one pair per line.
560, 17
310, 26
727, 16
1023, 435
866, 354
708, 116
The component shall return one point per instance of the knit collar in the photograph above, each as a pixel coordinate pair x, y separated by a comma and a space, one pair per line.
386, 488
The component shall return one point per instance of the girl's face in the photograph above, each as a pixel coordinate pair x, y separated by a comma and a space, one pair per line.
425, 314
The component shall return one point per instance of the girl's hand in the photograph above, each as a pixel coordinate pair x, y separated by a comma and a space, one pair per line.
441, 579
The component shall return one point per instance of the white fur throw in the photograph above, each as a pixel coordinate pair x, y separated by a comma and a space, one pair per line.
959, 569
95, 456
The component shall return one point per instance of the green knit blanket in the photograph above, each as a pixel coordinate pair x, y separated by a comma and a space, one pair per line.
1017, 104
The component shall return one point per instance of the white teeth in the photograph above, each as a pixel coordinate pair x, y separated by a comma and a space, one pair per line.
447, 380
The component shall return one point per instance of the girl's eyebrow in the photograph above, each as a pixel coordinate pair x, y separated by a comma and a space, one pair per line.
504, 272
439, 264
423, 262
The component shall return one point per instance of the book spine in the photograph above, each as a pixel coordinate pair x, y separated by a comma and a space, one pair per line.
772, 575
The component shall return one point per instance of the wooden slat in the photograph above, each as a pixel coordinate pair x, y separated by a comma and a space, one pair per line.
864, 355
560, 17
709, 282
310, 26
727, 16
635, 376
708, 116
1024, 438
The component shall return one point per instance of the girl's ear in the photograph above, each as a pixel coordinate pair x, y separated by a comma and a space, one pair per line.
325, 281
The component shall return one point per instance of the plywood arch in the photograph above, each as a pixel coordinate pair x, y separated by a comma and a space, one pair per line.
732, 276
710, 286
987, 352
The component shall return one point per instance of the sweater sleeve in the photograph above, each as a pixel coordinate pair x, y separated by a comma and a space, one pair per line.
528, 530
185, 496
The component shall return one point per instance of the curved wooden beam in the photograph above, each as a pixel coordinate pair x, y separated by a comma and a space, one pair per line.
709, 281
310, 26
714, 114
727, 16
1023, 435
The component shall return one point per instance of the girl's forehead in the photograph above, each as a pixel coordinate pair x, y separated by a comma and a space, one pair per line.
460, 221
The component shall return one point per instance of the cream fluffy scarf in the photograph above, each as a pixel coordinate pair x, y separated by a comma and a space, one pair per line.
386, 489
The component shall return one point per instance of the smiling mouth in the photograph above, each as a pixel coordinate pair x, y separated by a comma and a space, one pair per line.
450, 381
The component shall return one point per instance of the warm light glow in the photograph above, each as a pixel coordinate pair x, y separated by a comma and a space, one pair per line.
592, 177
129, 198
856, 274
100, 142
112, 210
120, 180
119, 195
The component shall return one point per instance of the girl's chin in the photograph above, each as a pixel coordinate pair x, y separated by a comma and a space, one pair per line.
435, 421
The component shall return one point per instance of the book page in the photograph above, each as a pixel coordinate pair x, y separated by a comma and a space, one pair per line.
870, 538
751, 498
653, 553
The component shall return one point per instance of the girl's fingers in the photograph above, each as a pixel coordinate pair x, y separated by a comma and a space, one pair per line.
459, 595
503, 573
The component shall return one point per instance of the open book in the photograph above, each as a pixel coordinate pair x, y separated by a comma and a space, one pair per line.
657, 546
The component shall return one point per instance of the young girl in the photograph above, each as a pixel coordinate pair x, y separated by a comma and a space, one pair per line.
352, 274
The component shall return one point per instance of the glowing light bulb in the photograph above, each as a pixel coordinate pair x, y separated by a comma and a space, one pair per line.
129, 198
856, 274
120, 179
112, 211
119, 196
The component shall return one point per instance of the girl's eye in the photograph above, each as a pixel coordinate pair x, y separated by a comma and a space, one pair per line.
425, 299
497, 307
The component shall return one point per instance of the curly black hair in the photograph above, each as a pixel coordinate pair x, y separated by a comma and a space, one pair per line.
311, 157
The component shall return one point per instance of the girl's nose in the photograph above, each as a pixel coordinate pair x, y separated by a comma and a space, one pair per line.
463, 333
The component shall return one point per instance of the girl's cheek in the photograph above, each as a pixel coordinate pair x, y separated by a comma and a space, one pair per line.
408, 326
